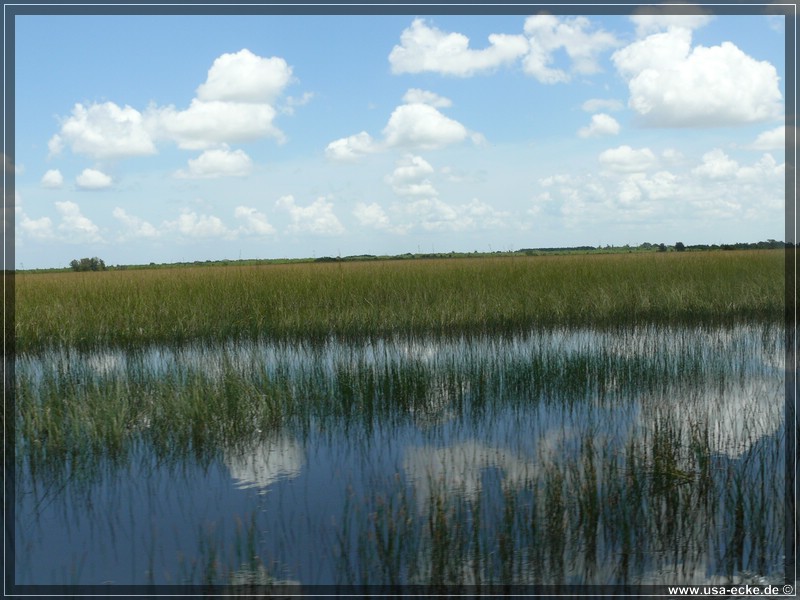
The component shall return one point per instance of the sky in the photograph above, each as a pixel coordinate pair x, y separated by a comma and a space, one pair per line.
190, 138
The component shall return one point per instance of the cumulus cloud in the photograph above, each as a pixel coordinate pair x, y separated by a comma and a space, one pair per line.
134, 227
352, 147
74, 227
210, 123
432, 214
191, 225
418, 124
716, 165
602, 124
763, 169
422, 126
104, 131
236, 103
548, 33
410, 177
52, 179
673, 84
627, 160
92, 179
425, 48
417, 96
40, 229
317, 218
245, 77
653, 23
218, 163
773, 139
255, 222
371, 215
718, 187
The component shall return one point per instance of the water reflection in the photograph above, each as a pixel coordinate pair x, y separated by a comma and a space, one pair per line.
580, 456
263, 462
459, 468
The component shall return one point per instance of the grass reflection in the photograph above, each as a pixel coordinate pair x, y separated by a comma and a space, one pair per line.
560, 456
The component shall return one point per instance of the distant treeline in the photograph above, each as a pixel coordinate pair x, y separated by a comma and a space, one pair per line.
97, 264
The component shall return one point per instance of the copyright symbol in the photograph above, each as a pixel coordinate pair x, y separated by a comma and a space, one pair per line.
788, 590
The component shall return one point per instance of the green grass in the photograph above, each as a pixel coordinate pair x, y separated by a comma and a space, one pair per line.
638, 488
317, 300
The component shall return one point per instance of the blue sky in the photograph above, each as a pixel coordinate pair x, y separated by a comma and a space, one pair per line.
181, 138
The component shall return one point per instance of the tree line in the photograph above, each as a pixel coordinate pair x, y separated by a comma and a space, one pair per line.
97, 264
88, 264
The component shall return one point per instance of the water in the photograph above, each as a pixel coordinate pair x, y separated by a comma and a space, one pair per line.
635, 455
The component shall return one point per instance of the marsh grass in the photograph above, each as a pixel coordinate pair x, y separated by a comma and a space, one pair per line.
545, 532
638, 480
315, 301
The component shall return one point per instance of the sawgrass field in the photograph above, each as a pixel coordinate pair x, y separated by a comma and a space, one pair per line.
317, 300
598, 419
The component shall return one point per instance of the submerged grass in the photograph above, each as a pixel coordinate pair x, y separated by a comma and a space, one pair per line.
313, 301
599, 453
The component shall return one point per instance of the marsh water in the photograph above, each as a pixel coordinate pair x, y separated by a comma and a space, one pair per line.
582, 456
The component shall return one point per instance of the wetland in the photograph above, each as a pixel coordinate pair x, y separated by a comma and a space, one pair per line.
548, 421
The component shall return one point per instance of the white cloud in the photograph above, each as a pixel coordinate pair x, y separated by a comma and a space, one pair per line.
661, 185
104, 131
55, 146
422, 126
433, 214
39, 229
414, 125
256, 223
92, 179
245, 77
595, 104
191, 225
292, 102
74, 226
351, 148
671, 84
548, 33
410, 177
371, 215
52, 179
653, 23
718, 188
317, 218
206, 124
235, 104
763, 169
716, 165
135, 228
602, 124
627, 160
428, 49
218, 163
417, 96
773, 139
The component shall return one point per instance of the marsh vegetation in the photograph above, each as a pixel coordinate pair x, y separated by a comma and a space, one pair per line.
537, 421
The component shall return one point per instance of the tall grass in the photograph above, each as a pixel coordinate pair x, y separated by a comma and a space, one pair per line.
619, 468
129, 308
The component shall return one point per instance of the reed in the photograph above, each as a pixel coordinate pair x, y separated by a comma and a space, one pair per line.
619, 466
314, 301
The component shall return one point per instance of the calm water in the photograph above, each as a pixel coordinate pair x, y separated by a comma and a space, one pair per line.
574, 456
